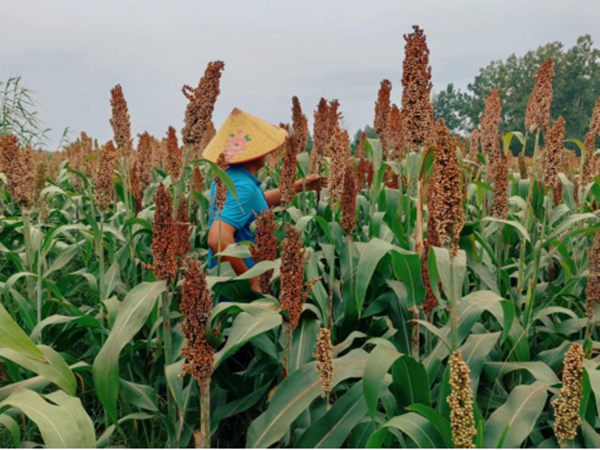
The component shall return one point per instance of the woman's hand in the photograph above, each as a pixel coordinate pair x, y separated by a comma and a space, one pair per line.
311, 183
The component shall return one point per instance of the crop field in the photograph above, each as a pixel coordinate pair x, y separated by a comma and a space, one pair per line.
434, 290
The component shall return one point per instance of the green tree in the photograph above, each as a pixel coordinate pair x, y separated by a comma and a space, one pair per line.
576, 87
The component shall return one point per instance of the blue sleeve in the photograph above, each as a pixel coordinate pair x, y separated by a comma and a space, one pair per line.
237, 212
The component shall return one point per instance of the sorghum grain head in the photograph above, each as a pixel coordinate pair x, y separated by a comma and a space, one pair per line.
382, 112
183, 230
324, 357
566, 406
104, 181
538, 108
490, 120
340, 153
289, 170
396, 136
592, 290
196, 307
553, 158
460, 400
292, 296
146, 159
198, 114
348, 197
265, 248
120, 120
174, 155
359, 151
416, 82
474, 145
221, 189
19, 169
300, 125
163, 245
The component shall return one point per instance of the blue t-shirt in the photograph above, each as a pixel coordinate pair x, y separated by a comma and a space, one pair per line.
239, 213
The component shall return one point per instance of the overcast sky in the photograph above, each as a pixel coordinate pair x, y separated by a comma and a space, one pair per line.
72, 52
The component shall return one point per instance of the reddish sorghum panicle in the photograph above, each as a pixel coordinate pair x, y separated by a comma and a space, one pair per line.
417, 109
537, 114
120, 120
105, 177
340, 153
196, 306
19, 169
553, 157
300, 125
265, 248
174, 155
592, 290
163, 245
348, 198
292, 296
382, 112
396, 135
183, 230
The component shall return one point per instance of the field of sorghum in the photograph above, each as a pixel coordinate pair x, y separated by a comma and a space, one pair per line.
440, 291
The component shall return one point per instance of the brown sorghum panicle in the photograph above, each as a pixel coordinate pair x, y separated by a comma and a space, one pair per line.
364, 173
340, 153
382, 112
41, 172
499, 173
89, 162
474, 145
202, 99
448, 196
220, 188
56, 158
592, 290
324, 357
183, 230
196, 306
164, 245
538, 107
145, 158
321, 135
595, 121
591, 160
489, 121
300, 125
553, 157
120, 120
348, 198
174, 155
197, 180
19, 170
75, 152
289, 170
566, 406
396, 136
105, 183
359, 151
266, 245
292, 295
333, 119
460, 400
417, 109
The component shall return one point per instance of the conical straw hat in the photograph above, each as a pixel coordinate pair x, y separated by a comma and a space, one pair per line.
244, 137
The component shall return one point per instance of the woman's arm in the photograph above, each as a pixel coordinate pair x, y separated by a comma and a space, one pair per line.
227, 233
311, 183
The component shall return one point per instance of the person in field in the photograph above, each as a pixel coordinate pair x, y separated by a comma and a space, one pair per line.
245, 141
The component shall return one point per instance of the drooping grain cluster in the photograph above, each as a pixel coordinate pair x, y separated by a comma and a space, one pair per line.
537, 115
592, 290
199, 110
324, 357
417, 109
120, 121
382, 113
19, 168
196, 306
164, 246
553, 158
266, 245
292, 295
460, 400
446, 199
566, 406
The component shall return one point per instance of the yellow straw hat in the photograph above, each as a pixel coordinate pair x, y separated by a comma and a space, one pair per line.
244, 137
